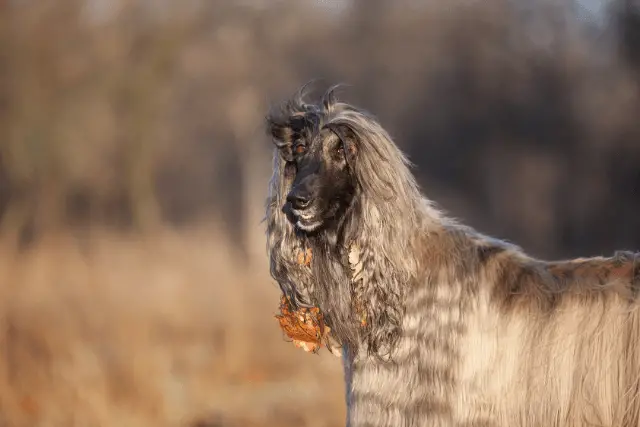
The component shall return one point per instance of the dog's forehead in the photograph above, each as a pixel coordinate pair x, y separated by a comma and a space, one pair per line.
321, 137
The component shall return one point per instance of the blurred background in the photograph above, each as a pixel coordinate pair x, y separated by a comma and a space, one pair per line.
134, 287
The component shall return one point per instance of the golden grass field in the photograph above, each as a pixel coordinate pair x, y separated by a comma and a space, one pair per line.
167, 330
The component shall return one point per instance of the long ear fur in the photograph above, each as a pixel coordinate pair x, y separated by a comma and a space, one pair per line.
284, 244
286, 124
387, 190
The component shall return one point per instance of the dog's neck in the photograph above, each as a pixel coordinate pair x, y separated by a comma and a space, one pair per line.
350, 256
356, 267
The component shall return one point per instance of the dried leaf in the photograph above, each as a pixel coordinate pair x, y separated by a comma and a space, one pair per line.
354, 255
304, 257
305, 326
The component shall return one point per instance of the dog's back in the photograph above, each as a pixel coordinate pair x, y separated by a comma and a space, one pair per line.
492, 337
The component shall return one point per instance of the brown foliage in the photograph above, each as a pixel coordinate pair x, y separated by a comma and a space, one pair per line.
304, 326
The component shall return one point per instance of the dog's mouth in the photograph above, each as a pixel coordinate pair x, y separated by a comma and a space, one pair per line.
308, 226
304, 220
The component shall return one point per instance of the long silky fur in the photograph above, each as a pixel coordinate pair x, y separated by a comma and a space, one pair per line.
462, 329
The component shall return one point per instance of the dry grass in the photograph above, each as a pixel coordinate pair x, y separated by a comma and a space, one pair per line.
161, 331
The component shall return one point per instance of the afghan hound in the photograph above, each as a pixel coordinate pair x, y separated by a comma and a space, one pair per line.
438, 324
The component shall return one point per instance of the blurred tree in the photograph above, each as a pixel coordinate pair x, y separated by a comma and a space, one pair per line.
627, 13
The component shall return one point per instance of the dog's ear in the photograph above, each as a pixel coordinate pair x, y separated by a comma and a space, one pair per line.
292, 122
282, 135
348, 137
364, 154
287, 130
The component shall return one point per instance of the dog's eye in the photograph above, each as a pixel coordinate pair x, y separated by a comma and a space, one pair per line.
299, 149
340, 149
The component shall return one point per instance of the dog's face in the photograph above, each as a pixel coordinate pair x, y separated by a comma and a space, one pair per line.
323, 185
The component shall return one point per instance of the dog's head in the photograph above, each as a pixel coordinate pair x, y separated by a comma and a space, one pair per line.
318, 151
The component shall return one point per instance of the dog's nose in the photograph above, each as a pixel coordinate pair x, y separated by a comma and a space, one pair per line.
299, 200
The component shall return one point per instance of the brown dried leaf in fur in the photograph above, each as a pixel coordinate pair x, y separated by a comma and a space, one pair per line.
304, 257
304, 326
